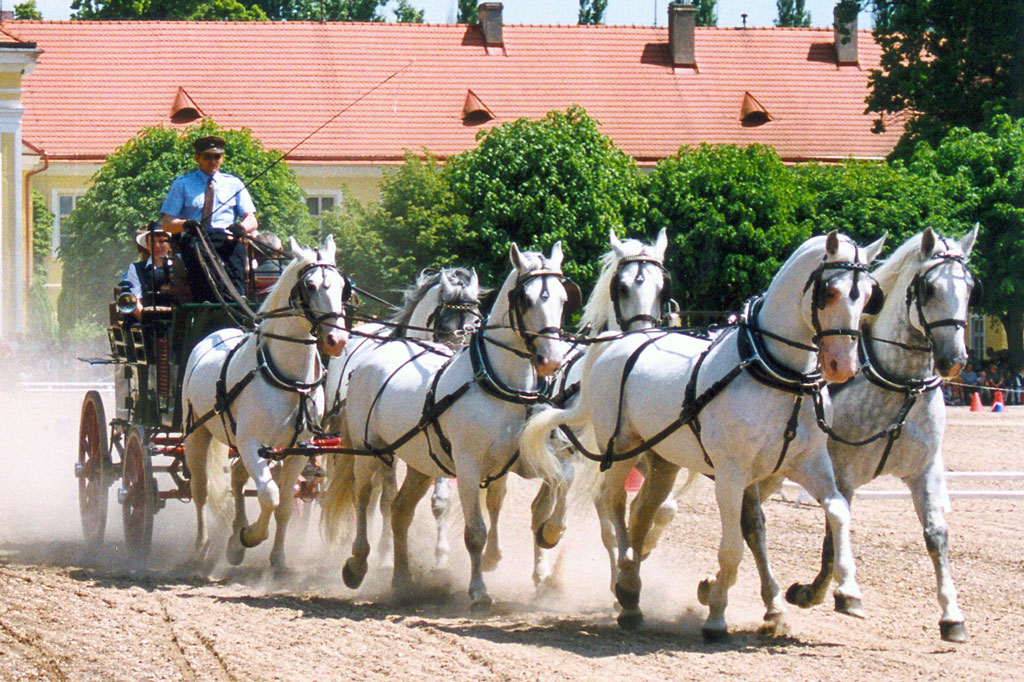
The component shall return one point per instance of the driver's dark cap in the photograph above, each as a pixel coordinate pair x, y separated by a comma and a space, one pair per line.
209, 143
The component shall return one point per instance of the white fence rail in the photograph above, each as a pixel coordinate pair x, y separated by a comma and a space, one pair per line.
953, 494
65, 386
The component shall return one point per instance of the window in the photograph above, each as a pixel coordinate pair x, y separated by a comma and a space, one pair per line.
64, 204
978, 335
319, 205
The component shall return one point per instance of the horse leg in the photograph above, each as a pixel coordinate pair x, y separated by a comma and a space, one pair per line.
239, 477
729, 487
267, 492
657, 486
818, 480
752, 526
197, 448
495, 497
414, 487
611, 512
475, 532
929, 495
440, 506
355, 568
290, 470
666, 510
808, 595
388, 489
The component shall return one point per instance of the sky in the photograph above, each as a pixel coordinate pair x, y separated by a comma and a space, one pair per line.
638, 12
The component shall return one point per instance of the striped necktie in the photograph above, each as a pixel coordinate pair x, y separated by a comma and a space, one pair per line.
208, 200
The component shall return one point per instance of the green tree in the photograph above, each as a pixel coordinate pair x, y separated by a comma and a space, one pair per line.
27, 10
467, 12
947, 63
706, 14
227, 10
866, 199
792, 13
986, 175
127, 192
536, 182
734, 213
42, 232
592, 11
405, 13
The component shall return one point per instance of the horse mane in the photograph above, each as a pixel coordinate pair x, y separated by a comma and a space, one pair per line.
425, 281
282, 289
598, 311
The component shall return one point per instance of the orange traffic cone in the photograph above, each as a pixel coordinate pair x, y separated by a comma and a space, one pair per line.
976, 402
634, 481
997, 401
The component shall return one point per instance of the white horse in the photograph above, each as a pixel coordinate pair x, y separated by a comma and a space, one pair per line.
631, 294
442, 306
263, 389
742, 397
460, 415
896, 404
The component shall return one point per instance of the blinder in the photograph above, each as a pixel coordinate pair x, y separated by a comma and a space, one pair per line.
976, 293
574, 297
875, 301
921, 289
819, 295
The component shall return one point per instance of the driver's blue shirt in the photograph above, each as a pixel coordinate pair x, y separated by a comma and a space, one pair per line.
188, 192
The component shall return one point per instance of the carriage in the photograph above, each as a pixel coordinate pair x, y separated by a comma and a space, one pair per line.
141, 445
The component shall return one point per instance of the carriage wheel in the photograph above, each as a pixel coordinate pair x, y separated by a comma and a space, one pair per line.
138, 494
93, 458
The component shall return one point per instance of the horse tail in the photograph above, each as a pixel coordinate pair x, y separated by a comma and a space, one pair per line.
337, 501
218, 491
534, 447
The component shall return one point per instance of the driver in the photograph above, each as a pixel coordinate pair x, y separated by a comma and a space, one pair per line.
217, 203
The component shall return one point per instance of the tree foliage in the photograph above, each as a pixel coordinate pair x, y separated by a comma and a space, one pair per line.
536, 182
467, 12
127, 192
792, 13
734, 214
948, 63
706, 12
592, 11
42, 234
27, 10
233, 10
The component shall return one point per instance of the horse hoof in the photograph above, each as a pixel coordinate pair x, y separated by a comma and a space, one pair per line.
235, 554
800, 595
714, 636
631, 620
351, 577
401, 584
480, 604
704, 590
851, 606
243, 536
629, 599
953, 632
490, 562
542, 536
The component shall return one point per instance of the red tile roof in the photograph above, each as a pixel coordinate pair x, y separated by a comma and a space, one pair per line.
98, 83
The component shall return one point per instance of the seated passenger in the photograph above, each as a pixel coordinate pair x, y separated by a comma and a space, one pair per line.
145, 277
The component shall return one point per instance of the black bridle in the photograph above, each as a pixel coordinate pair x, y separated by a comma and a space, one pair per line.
820, 284
666, 291
299, 301
463, 308
919, 290
517, 301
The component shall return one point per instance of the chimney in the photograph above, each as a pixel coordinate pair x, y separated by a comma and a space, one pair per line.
682, 20
490, 21
845, 34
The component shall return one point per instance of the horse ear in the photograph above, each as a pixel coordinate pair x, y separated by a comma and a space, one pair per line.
832, 243
872, 250
555, 261
473, 288
616, 244
330, 250
660, 244
297, 251
967, 243
927, 242
515, 256
447, 288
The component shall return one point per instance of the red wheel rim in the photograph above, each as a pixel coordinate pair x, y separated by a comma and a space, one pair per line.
92, 455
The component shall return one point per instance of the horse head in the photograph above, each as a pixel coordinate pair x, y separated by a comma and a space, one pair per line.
939, 297
457, 310
632, 289
837, 292
320, 293
537, 298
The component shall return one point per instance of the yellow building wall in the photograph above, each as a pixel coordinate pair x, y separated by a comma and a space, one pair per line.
995, 334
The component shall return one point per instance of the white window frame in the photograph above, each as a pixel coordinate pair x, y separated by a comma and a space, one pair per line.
320, 195
978, 344
55, 197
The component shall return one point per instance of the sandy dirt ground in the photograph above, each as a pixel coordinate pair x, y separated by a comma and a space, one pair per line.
64, 616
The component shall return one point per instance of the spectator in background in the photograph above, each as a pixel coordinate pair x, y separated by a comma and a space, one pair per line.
969, 382
993, 381
1015, 384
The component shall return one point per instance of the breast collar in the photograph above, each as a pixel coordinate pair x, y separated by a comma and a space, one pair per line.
879, 377
764, 367
485, 376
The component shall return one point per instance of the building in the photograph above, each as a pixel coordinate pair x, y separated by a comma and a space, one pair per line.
345, 100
